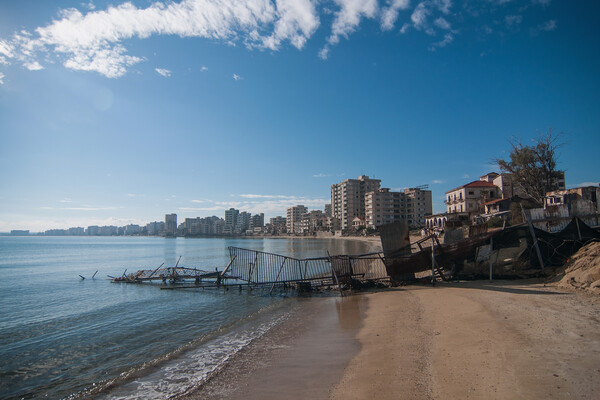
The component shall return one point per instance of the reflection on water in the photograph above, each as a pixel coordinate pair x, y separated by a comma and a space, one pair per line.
350, 311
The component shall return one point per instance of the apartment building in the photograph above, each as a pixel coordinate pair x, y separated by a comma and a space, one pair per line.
171, 224
294, 218
384, 207
419, 205
231, 216
348, 198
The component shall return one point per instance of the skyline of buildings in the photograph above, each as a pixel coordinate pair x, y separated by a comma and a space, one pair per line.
355, 204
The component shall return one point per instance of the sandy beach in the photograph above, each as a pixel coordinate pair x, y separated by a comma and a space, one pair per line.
479, 340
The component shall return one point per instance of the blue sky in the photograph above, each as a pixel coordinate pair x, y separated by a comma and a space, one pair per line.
117, 113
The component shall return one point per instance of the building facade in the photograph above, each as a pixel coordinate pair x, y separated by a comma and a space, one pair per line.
348, 198
294, 218
471, 197
171, 224
385, 207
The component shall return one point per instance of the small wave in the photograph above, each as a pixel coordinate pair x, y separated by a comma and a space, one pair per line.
191, 365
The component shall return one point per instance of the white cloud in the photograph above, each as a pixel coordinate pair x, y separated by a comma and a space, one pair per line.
443, 5
513, 20
236, 77
321, 175
448, 38
270, 205
296, 21
164, 72
389, 13
1, 78
96, 40
324, 53
203, 69
6, 52
437, 181
66, 200
347, 19
93, 41
419, 16
547, 26
33, 66
442, 23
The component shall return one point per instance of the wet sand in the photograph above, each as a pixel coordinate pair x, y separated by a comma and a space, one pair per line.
479, 340
303, 357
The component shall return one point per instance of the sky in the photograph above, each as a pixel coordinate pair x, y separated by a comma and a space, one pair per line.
117, 112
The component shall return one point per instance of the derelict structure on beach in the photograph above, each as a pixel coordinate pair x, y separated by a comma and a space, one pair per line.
253, 268
517, 252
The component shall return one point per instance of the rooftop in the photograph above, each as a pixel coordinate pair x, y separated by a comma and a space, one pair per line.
474, 184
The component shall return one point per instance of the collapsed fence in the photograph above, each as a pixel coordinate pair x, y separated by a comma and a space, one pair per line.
261, 268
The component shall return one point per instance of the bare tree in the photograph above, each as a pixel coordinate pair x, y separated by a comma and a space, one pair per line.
533, 168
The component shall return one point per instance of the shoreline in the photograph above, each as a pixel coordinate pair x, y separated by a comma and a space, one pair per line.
302, 357
476, 339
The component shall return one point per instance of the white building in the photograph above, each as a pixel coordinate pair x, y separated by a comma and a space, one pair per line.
348, 198
471, 197
294, 218
384, 207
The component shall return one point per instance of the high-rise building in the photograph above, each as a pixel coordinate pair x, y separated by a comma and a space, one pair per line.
243, 222
384, 207
257, 221
294, 218
348, 198
418, 206
278, 224
231, 217
171, 224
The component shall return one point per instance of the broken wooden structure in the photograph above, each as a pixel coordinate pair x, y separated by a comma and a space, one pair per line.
517, 252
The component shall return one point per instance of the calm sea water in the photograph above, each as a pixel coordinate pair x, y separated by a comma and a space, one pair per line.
61, 336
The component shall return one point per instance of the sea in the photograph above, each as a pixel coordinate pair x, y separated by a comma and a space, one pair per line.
62, 336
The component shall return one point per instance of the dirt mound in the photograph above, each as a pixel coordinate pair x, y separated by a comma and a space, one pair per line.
582, 270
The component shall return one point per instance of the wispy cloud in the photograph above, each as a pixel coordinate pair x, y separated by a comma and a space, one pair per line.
33, 66
347, 19
66, 200
269, 204
82, 208
95, 40
513, 21
1, 78
236, 77
389, 13
442, 23
203, 69
437, 181
321, 175
164, 72
547, 26
448, 38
